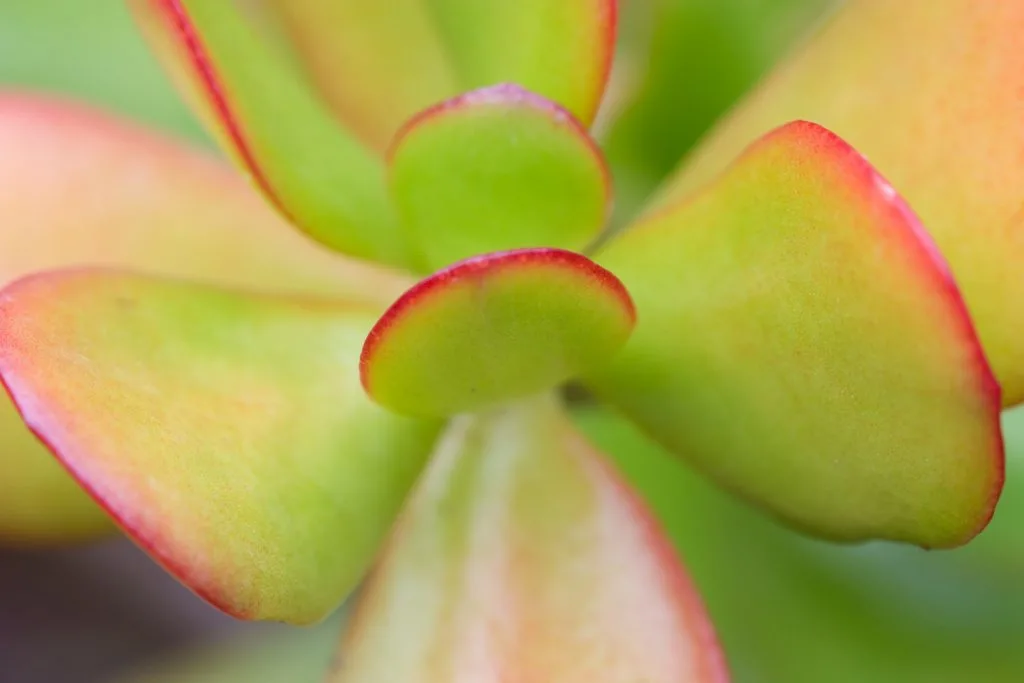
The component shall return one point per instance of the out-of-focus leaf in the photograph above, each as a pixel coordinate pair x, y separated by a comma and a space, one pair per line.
560, 50
80, 187
264, 114
522, 556
703, 55
493, 328
800, 340
496, 169
298, 656
930, 92
375, 62
90, 50
760, 580
226, 432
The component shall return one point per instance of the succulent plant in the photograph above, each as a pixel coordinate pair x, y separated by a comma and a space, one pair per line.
278, 416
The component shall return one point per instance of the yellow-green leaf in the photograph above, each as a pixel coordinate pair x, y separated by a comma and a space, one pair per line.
493, 328
264, 114
81, 187
800, 340
930, 92
499, 168
376, 63
560, 50
226, 432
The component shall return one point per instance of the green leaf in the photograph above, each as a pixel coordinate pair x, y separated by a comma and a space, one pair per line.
493, 328
523, 556
226, 432
560, 50
801, 341
261, 110
930, 92
376, 63
496, 169
81, 187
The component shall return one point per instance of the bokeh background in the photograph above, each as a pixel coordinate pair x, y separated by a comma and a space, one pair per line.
788, 609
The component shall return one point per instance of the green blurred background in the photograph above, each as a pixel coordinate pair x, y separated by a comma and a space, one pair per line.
788, 609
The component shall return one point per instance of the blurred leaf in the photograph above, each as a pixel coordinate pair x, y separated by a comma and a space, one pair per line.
298, 656
559, 50
80, 187
376, 63
522, 556
275, 127
703, 55
90, 50
784, 610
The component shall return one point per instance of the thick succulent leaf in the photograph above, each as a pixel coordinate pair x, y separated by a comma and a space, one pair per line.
930, 92
802, 342
376, 63
260, 108
523, 556
226, 432
492, 328
561, 50
77, 186
498, 168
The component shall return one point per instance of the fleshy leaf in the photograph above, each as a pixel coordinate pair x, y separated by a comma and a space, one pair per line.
492, 328
523, 556
948, 138
497, 169
376, 63
77, 186
802, 341
226, 432
560, 50
259, 107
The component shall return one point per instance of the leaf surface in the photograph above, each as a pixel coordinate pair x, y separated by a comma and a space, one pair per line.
801, 340
560, 50
81, 187
523, 556
226, 432
930, 93
495, 169
494, 328
268, 119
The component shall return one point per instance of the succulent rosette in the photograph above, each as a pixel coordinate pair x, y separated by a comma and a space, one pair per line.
354, 372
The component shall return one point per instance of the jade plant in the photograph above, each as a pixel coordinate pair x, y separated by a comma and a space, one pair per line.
351, 370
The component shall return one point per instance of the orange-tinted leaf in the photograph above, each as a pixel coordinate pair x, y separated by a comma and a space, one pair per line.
560, 50
522, 556
81, 187
376, 63
226, 432
930, 92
